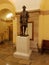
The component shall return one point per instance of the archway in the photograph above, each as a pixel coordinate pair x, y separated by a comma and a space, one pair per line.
7, 12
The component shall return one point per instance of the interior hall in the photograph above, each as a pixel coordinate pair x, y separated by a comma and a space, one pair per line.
24, 47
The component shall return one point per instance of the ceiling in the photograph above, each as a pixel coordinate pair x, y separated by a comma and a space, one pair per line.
30, 4
4, 13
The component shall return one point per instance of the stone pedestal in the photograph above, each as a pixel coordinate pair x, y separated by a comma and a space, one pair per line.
22, 47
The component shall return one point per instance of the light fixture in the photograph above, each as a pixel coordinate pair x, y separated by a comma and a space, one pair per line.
9, 15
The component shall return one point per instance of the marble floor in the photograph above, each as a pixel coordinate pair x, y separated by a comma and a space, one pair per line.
7, 57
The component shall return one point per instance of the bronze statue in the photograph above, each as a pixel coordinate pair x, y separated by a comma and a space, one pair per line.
23, 21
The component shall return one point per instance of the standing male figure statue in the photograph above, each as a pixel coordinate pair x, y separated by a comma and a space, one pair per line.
23, 21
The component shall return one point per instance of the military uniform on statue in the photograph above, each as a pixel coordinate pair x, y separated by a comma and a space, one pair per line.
24, 22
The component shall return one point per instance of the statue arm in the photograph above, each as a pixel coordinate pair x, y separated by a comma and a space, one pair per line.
20, 18
27, 15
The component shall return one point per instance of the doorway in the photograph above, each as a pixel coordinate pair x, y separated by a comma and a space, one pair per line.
7, 24
11, 32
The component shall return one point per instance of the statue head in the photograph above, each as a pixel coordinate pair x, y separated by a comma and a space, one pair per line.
24, 7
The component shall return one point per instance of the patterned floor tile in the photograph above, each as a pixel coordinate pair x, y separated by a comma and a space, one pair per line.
2, 62
25, 62
11, 58
7, 57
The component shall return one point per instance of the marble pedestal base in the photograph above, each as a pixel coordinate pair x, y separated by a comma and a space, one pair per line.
22, 47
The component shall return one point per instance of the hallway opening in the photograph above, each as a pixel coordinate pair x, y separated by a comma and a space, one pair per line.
6, 25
